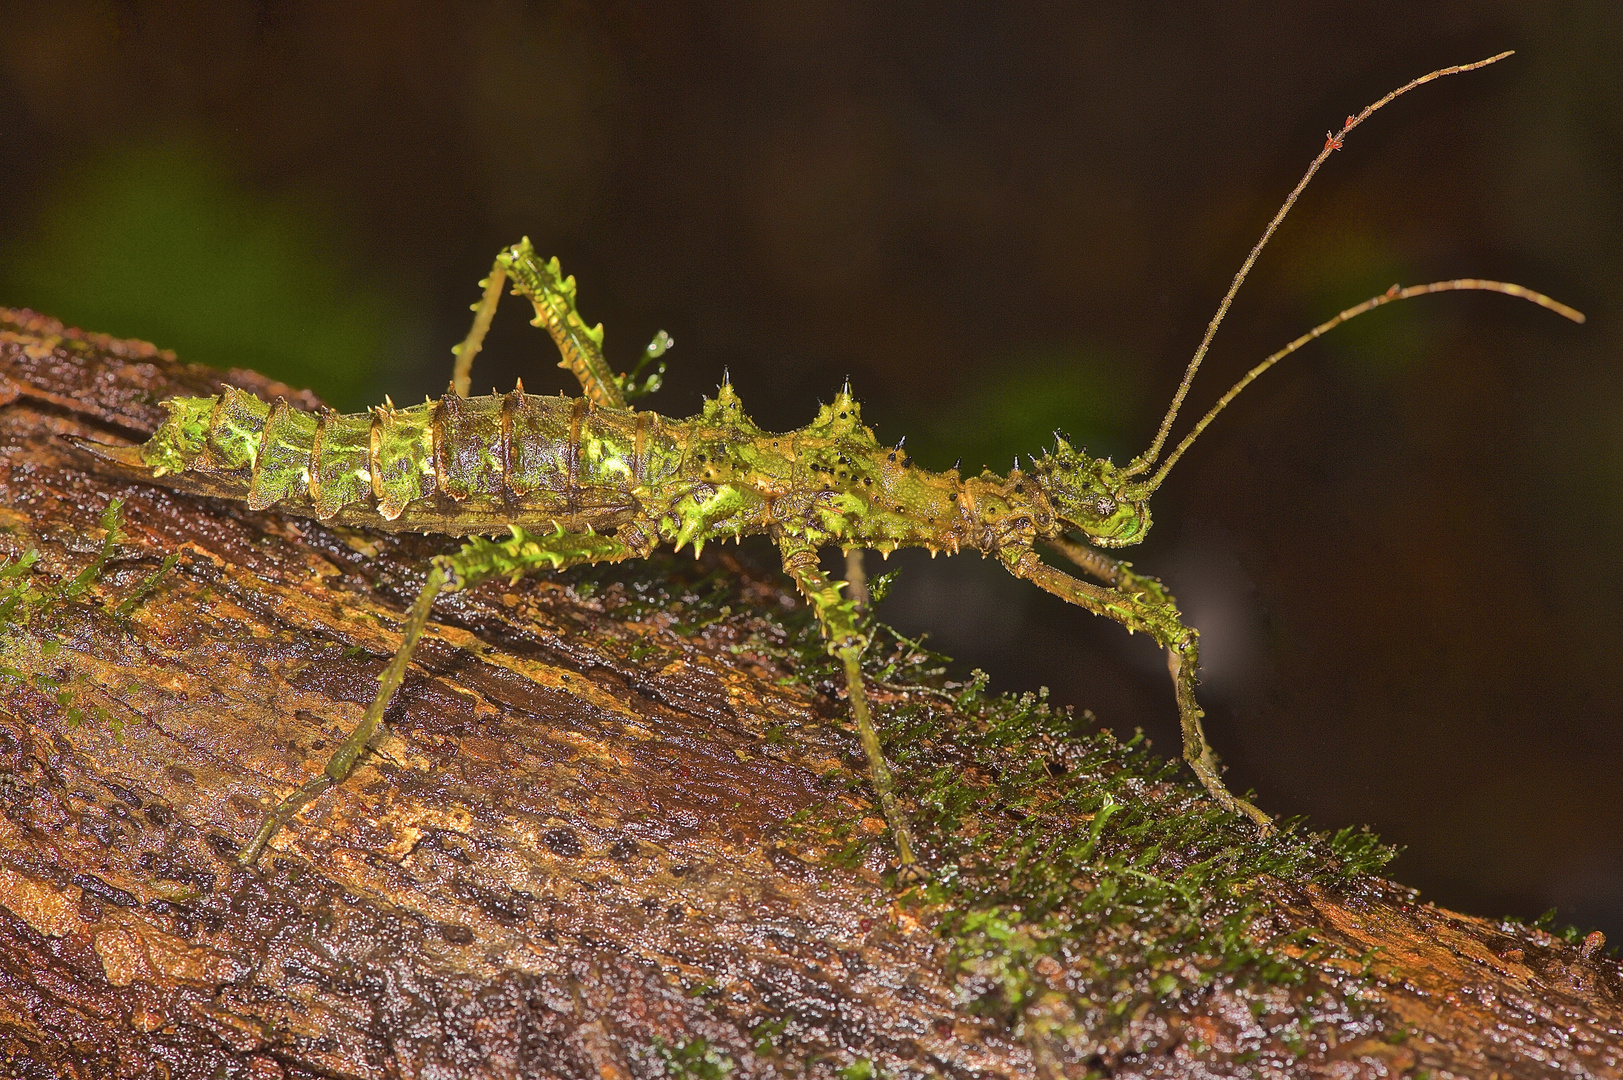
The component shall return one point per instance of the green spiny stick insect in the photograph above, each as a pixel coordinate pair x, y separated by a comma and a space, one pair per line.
568, 481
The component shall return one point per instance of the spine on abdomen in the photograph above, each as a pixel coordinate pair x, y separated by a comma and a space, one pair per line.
515, 447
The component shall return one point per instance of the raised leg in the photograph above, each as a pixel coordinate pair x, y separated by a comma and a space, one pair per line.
553, 297
1142, 603
483, 312
836, 614
478, 560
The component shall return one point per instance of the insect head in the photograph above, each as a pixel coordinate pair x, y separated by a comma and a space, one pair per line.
1091, 496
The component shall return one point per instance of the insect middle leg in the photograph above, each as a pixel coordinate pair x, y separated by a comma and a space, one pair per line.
1142, 603
837, 616
478, 560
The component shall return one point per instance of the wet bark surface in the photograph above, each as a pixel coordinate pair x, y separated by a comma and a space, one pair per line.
573, 852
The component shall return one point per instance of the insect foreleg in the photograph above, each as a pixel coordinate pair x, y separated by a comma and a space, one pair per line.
1113, 572
837, 615
1142, 603
478, 560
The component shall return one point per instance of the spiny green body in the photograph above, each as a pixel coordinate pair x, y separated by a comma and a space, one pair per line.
574, 481
479, 465
585, 480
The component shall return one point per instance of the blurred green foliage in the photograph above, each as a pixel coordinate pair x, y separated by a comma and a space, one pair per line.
1024, 399
159, 242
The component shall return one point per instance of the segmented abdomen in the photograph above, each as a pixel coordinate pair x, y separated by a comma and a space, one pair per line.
456, 465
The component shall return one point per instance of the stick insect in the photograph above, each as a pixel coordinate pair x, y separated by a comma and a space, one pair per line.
565, 481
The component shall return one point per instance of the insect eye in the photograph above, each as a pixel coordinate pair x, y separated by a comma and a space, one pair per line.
1104, 506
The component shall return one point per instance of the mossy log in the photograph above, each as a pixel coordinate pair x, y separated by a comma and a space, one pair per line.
617, 828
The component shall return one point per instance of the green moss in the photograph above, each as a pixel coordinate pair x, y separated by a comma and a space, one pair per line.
689, 595
1054, 845
22, 600
694, 1059
1047, 837
28, 648
767, 1034
1053, 839
1567, 932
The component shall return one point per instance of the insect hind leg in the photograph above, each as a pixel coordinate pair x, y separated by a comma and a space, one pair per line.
342, 762
478, 560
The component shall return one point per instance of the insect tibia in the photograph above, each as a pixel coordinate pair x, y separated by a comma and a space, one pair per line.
553, 297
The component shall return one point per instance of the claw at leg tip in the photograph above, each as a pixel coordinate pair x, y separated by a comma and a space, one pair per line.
911, 874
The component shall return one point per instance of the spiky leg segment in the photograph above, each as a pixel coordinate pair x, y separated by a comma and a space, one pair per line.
1142, 603
837, 615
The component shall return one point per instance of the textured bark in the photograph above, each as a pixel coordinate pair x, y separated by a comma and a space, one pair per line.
568, 856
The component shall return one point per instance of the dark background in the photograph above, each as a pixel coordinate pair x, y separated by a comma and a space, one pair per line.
1402, 547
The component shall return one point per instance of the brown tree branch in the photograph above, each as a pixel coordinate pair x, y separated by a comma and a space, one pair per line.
611, 832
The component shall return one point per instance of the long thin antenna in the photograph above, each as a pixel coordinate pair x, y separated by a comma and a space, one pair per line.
1389, 296
1332, 143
